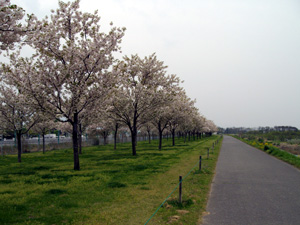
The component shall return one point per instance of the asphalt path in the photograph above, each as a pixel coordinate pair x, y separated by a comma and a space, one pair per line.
252, 187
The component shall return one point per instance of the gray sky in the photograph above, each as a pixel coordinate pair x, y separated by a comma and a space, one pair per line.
239, 58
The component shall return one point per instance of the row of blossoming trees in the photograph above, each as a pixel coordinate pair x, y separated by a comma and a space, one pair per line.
72, 77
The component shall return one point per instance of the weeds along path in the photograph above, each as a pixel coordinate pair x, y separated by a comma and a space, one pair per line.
252, 187
113, 187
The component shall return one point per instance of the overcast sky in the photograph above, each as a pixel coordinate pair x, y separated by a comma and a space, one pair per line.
239, 58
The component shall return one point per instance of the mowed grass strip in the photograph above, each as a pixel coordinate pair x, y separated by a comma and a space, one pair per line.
195, 187
112, 187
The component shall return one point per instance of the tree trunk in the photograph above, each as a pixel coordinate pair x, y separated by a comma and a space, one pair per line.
173, 137
80, 139
115, 136
43, 136
160, 131
160, 139
104, 138
19, 144
133, 141
134, 131
149, 136
75, 142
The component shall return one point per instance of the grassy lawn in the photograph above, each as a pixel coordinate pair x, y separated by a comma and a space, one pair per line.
112, 187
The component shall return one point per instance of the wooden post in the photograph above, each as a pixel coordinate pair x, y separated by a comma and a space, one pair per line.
180, 190
207, 153
200, 159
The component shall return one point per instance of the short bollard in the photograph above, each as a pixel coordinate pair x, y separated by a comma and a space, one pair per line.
200, 159
180, 190
207, 153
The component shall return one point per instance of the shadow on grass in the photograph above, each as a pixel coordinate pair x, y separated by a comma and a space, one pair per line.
38, 168
56, 191
116, 157
115, 184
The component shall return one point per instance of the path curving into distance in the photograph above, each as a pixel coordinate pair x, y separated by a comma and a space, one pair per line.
252, 187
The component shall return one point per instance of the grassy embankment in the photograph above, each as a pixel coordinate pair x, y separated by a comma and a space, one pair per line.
272, 150
112, 187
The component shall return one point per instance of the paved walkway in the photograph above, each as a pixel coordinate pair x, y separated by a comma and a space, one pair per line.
252, 187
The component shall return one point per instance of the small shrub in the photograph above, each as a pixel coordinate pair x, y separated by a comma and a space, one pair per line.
260, 140
184, 204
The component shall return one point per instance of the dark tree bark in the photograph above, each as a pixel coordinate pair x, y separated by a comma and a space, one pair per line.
161, 127
44, 147
133, 130
149, 136
115, 136
105, 135
80, 138
173, 137
75, 142
133, 140
160, 132
19, 144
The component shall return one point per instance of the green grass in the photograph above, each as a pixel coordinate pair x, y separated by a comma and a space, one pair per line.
274, 151
112, 187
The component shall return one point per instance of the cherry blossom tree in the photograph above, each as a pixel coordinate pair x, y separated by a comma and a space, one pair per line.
43, 126
111, 122
101, 127
69, 72
179, 112
161, 121
148, 128
198, 123
143, 87
115, 126
15, 114
209, 127
11, 28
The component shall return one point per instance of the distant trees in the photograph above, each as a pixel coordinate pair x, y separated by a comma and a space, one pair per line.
241, 130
